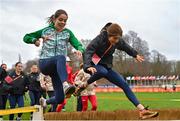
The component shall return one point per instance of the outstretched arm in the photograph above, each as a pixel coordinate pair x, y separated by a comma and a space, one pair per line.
76, 44
33, 38
122, 45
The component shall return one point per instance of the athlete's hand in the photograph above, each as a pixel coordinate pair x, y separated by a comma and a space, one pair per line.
78, 53
37, 43
92, 70
139, 58
43, 39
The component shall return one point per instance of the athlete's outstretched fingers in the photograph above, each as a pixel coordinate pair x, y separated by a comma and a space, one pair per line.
139, 58
92, 70
79, 53
37, 43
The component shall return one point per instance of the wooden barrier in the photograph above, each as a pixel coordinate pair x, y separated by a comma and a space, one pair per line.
166, 114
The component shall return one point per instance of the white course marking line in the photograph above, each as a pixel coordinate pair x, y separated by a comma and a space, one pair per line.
177, 100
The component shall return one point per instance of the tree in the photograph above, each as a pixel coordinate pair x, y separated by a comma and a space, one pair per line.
160, 65
177, 68
125, 64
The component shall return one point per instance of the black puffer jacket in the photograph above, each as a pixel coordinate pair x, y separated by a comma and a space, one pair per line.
99, 45
34, 84
3, 74
20, 84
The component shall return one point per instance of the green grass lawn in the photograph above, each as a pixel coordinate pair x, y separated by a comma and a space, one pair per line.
118, 101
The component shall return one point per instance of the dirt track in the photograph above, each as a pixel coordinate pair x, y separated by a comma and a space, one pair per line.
172, 114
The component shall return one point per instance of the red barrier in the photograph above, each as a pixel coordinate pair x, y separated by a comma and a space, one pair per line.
138, 89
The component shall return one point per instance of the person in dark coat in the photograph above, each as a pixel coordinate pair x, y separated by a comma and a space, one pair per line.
98, 59
34, 86
19, 83
3, 92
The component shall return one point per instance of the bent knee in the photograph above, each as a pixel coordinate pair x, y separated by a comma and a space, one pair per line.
60, 100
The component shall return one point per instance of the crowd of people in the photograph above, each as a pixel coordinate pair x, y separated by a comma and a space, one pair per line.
15, 84
97, 64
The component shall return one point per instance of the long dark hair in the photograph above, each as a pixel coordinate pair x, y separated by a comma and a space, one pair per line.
56, 15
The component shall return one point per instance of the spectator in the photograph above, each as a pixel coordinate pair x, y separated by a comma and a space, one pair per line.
79, 101
88, 93
19, 82
34, 86
3, 92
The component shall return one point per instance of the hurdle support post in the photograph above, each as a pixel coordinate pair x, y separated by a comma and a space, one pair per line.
39, 114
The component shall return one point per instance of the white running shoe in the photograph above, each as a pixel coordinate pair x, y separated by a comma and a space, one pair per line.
42, 102
68, 89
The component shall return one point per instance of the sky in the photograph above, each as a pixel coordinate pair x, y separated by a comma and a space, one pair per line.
156, 21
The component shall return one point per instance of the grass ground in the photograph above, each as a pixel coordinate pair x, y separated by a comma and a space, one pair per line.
117, 101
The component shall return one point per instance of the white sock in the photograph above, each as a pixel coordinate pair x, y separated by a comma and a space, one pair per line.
44, 103
140, 107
